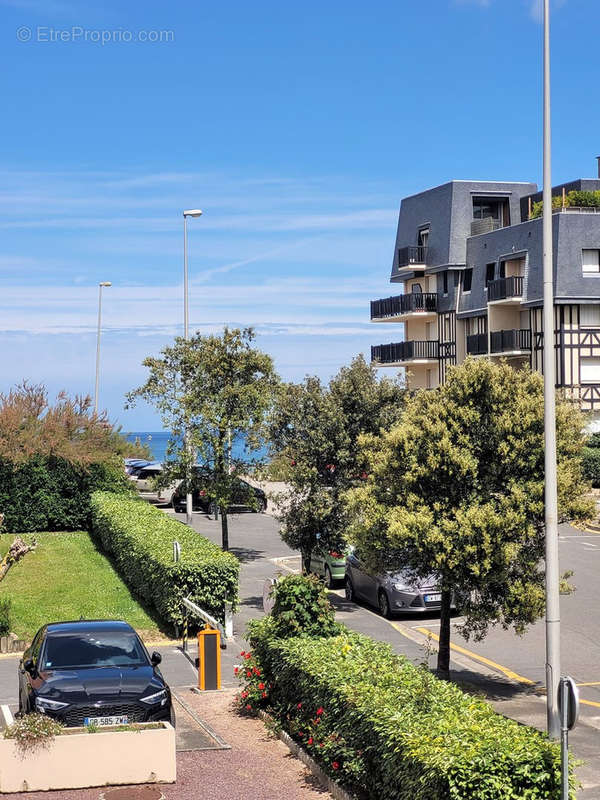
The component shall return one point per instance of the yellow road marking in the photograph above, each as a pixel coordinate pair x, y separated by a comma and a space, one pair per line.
513, 676
589, 703
592, 683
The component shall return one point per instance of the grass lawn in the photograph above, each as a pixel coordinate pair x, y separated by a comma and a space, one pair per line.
66, 578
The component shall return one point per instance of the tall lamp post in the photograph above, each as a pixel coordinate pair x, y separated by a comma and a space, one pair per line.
194, 212
551, 500
100, 287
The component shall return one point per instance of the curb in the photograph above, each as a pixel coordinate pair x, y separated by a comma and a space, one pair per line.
202, 724
334, 789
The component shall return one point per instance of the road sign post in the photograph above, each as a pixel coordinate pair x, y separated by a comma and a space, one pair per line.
568, 706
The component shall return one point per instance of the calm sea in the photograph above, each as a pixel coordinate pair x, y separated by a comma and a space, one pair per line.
157, 441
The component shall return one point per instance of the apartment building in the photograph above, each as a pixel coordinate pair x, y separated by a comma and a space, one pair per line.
468, 259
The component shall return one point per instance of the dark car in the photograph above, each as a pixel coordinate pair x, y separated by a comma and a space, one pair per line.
244, 496
92, 672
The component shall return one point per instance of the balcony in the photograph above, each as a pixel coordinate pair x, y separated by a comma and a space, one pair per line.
513, 341
477, 344
486, 225
400, 353
505, 289
413, 257
422, 304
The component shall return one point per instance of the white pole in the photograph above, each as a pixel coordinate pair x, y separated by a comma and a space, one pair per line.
551, 500
186, 335
100, 287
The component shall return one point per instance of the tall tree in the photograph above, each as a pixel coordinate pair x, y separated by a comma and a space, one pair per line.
314, 431
456, 488
218, 390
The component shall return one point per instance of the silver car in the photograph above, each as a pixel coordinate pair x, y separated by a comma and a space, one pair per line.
391, 593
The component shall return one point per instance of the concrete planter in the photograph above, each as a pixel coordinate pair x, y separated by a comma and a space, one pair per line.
80, 759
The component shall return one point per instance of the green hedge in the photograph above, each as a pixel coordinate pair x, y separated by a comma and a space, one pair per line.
49, 493
591, 465
392, 731
140, 539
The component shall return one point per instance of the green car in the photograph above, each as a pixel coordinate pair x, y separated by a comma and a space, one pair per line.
329, 565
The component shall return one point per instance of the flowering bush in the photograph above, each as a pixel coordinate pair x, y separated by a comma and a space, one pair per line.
302, 607
33, 731
254, 692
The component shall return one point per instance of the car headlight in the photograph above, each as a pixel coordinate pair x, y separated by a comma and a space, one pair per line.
158, 697
399, 587
42, 704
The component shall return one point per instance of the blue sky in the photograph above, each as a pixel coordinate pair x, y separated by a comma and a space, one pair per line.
297, 128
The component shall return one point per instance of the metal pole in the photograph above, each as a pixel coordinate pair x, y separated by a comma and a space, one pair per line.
564, 739
551, 500
98, 349
186, 335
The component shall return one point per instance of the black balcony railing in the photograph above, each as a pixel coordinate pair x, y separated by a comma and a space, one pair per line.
418, 302
477, 344
404, 351
505, 288
510, 341
413, 255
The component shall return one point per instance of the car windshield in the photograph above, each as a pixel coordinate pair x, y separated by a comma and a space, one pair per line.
93, 649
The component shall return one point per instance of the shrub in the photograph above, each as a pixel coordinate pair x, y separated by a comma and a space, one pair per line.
51, 493
5, 619
302, 608
393, 731
591, 465
140, 539
32, 732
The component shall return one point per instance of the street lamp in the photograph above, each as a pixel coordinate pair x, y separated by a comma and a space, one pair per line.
100, 287
550, 494
194, 212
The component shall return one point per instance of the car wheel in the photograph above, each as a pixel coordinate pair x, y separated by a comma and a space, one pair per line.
212, 509
261, 507
384, 605
350, 591
328, 578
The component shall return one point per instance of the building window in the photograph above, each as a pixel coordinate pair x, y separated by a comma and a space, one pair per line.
467, 280
589, 316
423, 237
591, 261
445, 283
489, 274
589, 370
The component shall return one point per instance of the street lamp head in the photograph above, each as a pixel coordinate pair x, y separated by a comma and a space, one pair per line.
193, 212
105, 283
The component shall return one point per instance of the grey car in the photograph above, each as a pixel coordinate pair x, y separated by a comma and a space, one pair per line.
391, 593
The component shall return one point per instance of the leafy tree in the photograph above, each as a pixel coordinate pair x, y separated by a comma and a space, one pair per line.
456, 488
218, 389
314, 431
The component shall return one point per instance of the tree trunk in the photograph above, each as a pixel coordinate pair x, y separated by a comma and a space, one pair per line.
306, 556
443, 664
224, 530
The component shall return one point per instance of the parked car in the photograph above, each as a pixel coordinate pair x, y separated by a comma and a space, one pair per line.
92, 672
134, 465
391, 592
329, 565
144, 480
245, 496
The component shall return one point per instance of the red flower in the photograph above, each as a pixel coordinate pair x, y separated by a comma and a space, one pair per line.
261, 686
247, 656
244, 695
309, 740
243, 653
319, 711
236, 670
264, 694
256, 671
300, 734
248, 707
322, 744
249, 674
335, 765
299, 705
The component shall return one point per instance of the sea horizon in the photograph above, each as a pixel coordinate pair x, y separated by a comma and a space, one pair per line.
158, 441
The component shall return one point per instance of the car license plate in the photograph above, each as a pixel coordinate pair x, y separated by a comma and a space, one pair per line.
433, 598
103, 721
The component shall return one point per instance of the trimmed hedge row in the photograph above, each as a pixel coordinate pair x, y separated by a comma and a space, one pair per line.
393, 731
140, 539
591, 465
47, 493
